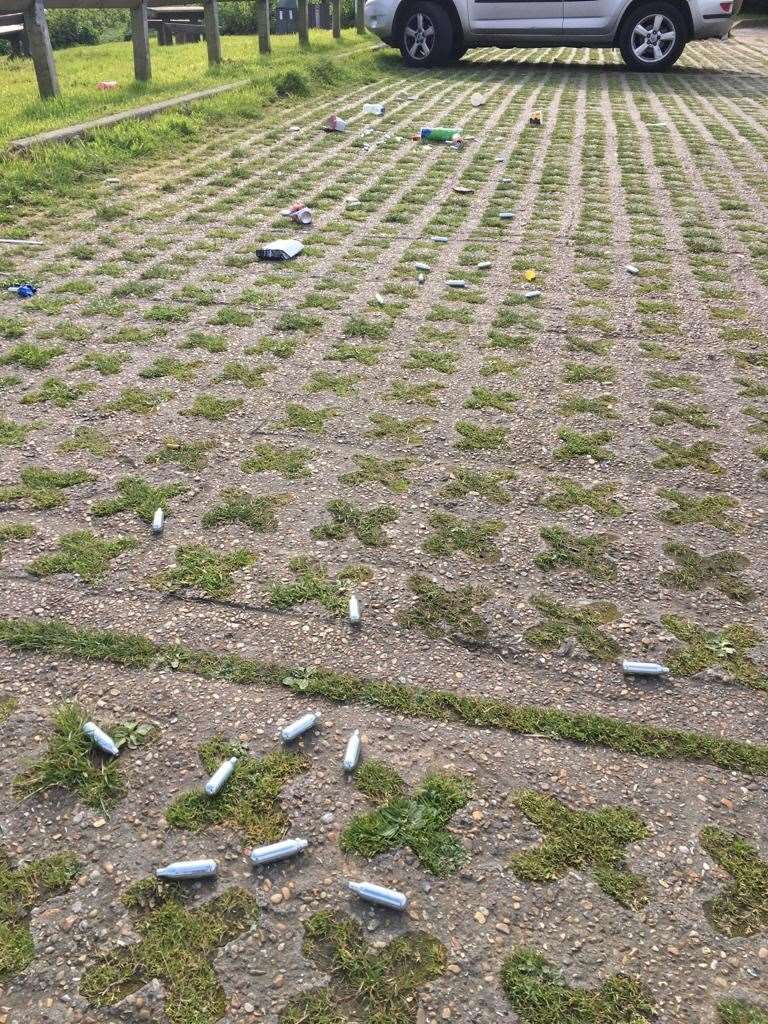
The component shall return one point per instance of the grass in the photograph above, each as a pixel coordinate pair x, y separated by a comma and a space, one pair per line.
599, 498
238, 506
7, 707
21, 890
14, 435
199, 568
390, 473
406, 431
473, 538
718, 571
73, 763
177, 946
588, 554
250, 801
189, 455
538, 995
83, 554
439, 612
472, 482
418, 822
139, 497
712, 510
211, 408
578, 446
57, 392
314, 584
742, 907
40, 488
694, 415
562, 622
290, 463
474, 438
379, 988
367, 525
725, 648
138, 400
696, 456
14, 531
299, 417
574, 840
736, 1011
31, 356
133, 650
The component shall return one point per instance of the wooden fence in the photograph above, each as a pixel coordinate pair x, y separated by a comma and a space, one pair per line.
39, 42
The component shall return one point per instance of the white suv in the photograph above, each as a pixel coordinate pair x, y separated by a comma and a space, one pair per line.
651, 34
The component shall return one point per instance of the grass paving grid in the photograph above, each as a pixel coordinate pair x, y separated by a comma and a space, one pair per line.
576, 188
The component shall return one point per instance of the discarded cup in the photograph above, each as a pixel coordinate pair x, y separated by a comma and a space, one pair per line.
352, 752
378, 894
335, 124
101, 739
280, 249
477, 99
298, 212
24, 291
278, 851
158, 521
188, 869
355, 611
373, 108
644, 668
535, 119
220, 776
301, 725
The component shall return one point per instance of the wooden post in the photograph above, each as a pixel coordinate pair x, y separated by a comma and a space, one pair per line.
303, 22
39, 43
142, 65
262, 23
360, 17
336, 18
212, 36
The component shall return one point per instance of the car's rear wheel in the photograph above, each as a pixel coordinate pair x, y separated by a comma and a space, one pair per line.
426, 35
652, 37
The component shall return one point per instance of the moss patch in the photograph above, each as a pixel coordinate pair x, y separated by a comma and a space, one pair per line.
367, 525
72, 762
14, 531
538, 995
190, 455
569, 551
83, 554
139, 497
418, 822
22, 889
474, 438
390, 473
290, 463
472, 537
742, 907
564, 622
712, 509
573, 495
314, 584
580, 839
211, 408
177, 946
695, 456
133, 650
238, 506
406, 431
726, 649
469, 482
249, 802
578, 446
379, 988
439, 612
719, 571
199, 568
42, 488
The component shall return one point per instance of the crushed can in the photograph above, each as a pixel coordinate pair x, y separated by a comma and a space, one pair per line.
100, 739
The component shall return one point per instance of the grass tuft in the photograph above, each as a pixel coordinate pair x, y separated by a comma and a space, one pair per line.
198, 567
563, 622
742, 908
367, 525
83, 554
139, 497
439, 612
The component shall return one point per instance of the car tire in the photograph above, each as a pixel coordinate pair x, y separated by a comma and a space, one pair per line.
458, 51
652, 36
427, 38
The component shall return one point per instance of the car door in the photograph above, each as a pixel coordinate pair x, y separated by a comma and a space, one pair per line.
517, 17
589, 17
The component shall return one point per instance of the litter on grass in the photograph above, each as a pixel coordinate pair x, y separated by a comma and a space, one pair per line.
280, 249
158, 521
535, 119
182, 870
278, 851
456, 283
21, 241
107, 85
644, 668
100, 739
299, 727
352, 752
463, 190
335, 124
477, 99
533, 294
373, 108
632, 269
439, 135
298, 212
220, 776
24, 291
484, 265
378, 894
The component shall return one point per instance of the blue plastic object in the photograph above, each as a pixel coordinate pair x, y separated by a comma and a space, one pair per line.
24, 291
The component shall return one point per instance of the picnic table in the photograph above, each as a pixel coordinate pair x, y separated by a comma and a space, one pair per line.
182, 24
12, 29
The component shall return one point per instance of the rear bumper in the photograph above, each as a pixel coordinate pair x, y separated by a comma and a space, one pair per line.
709, 19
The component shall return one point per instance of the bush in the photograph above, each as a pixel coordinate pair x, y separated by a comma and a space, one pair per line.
73, 28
